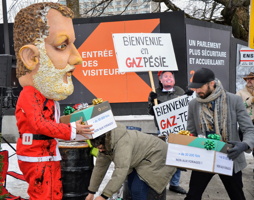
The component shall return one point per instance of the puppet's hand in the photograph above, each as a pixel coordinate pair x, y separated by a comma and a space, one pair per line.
89, 196
83, 129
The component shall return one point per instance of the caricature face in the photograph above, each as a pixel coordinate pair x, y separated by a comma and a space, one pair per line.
57, 58
167, 80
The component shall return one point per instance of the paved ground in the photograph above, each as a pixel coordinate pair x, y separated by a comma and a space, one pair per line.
214, 191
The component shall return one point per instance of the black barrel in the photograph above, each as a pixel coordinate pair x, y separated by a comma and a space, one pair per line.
76, 166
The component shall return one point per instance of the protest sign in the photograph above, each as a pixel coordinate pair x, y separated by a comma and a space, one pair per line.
172, 115
140, 52
246, 57
99, 64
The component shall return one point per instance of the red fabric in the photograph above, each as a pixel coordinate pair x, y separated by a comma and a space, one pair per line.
44, 179
3, 191
16, 175
159, 73
4, 160
11, 197
33, 118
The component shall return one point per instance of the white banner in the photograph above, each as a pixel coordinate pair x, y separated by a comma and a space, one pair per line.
198, 159
172, 115
247, 57
140, 52
190, 157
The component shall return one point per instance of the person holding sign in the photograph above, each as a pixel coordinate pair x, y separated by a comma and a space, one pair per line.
140, 157
167, 90
46, 55
216, 111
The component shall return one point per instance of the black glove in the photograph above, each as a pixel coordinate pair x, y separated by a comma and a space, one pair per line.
189, 92
152, 96
237, 149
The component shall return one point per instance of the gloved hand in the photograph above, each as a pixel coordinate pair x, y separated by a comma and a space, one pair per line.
152, 96
237, 149
189, 92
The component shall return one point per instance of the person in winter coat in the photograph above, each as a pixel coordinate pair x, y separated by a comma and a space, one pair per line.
215, 110
167, 90
247, 94
140, 157
46, 55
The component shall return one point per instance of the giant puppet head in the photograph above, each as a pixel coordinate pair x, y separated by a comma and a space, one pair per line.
43, 43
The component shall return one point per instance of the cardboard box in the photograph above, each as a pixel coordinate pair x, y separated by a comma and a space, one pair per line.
189, 152
100, 116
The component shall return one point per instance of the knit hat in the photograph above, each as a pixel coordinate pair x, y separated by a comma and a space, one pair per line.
250, 75
201, 77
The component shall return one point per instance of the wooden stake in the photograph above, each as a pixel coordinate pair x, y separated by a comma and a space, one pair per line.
152, 85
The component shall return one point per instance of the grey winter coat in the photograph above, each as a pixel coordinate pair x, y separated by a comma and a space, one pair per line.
128, 150
236, 114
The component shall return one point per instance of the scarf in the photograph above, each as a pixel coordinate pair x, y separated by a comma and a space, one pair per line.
214, 120
250, 90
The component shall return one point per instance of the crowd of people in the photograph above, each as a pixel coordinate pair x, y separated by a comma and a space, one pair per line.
46, 55
211, 100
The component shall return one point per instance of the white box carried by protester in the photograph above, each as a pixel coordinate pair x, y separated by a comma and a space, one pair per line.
189, 152
100, 116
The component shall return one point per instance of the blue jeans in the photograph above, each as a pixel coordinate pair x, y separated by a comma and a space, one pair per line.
175, 178
137, 187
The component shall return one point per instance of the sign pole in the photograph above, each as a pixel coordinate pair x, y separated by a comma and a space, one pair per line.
251, 25
152, 85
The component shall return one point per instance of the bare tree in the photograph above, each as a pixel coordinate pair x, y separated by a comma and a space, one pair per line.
233, 13
74, 5
95, 8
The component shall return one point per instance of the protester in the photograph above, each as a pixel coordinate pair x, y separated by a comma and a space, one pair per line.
46, 55
167, 90
215, 110
137, 155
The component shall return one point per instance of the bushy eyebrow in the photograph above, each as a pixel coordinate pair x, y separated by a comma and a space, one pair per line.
61, 38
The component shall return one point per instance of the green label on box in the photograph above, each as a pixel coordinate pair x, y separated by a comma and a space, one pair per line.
200, 143
85, 114
90, 112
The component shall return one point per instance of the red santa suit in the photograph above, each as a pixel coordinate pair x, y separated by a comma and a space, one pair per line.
37, 148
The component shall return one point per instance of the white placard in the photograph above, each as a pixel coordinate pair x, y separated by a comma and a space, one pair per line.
198, 159
139, 52
172, 115
222, 164
102, 123
189, 157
